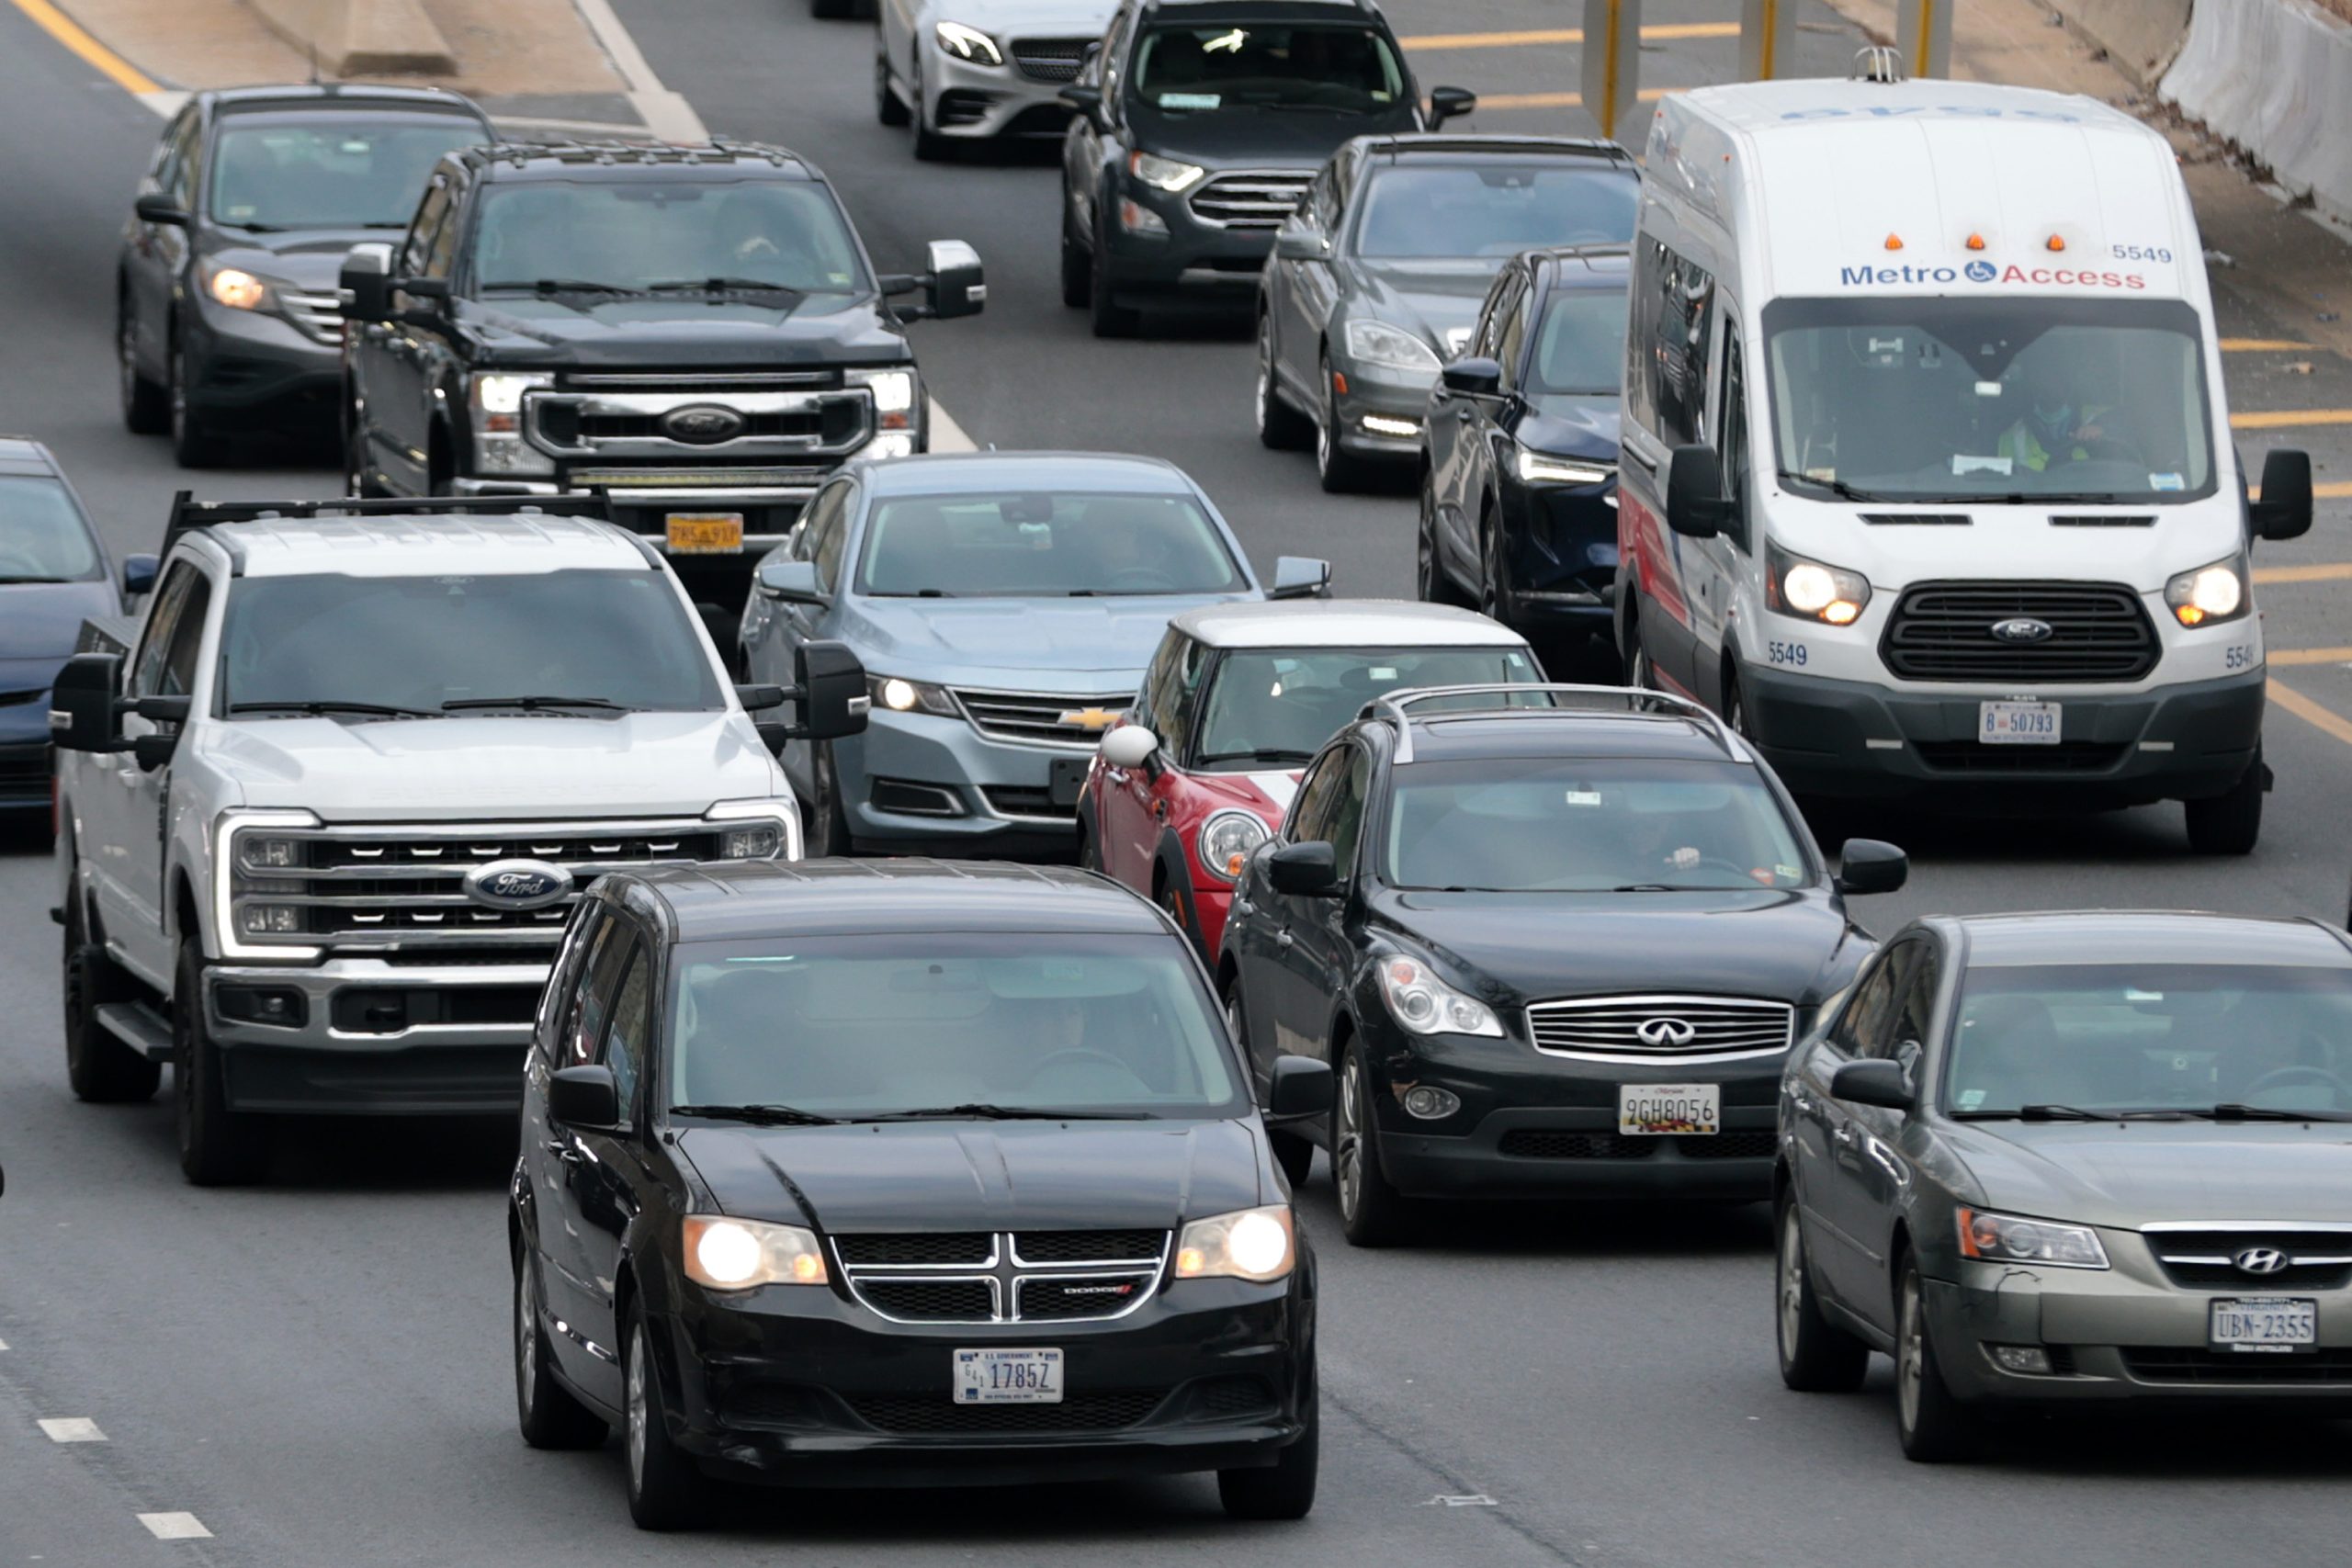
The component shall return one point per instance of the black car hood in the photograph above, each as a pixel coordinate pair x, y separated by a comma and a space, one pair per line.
586, 329
965, 1175
1569, 425
1255, 138
1433, 297
2127, 1174
1537, 945
308, 258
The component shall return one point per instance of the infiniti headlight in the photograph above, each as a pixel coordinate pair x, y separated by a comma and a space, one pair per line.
1249, 1244
1389, 348
735, 1255
968, 43
1226, 841
1425, 1005
2209, 593
1813, 591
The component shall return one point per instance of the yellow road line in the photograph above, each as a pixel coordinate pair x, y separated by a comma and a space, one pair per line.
2277, 419
2325, 571
67, 31
2260, 345
2302, 707
1561, 35
2309, 655
1558, 100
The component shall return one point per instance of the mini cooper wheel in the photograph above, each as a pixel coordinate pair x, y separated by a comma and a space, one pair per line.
546, 1412
1815, 1357
665, 1491
1933, 1426
1372, 1212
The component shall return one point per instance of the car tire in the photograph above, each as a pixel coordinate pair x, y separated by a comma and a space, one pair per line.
1339, 471
1934, 1428
549, 1416
191, 444
146, 405
1372, 1212
101, 1068
665, 1491
2229, 824
827, 832
929, 146
219, 1148
1110, 318
1078, 266
1285, 1489
1281, 427
1815, 1355
888, 107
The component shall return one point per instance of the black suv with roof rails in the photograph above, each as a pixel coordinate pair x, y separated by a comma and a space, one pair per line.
697, 332
1200, 123
225, 308
1555, 945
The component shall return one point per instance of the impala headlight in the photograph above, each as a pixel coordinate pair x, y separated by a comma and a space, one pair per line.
1163, 173
2209, 593
735, 1255
2006, 1238
1227, 839
1249, 1244
1389, 348
1427, 1005
1812, 591
1538, 468
968, 43
900, 695
494, 400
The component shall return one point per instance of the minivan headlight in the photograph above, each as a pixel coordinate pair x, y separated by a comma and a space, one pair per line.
1813, 591
2007, 1238
735, 1255
2209, 593
1390, 348
1248, 1244
1427, 1005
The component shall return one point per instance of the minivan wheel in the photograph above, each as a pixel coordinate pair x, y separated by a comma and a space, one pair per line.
2229, 824
1932, 1425
546, 1412
1285, 1490
1815, 1357
665, 1491
1372, 1212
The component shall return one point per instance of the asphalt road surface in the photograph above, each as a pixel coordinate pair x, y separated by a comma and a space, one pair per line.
317, 1372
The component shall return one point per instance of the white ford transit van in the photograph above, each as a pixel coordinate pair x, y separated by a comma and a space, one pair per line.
1926, 479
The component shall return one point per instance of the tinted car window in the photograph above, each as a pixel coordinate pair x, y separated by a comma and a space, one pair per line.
43, 537
1292, 701
327, 173
1046, 545
1219, 67
645, 233
1580, 349
905, 1020
1492, 209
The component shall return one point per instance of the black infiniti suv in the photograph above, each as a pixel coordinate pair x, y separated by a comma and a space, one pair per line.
1200, 123
695, 330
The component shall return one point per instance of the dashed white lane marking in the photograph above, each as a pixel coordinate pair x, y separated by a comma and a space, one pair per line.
176, 1526
71, 1429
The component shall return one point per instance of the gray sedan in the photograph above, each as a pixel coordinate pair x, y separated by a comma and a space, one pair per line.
1005, 605
2071, 1159
1377, 278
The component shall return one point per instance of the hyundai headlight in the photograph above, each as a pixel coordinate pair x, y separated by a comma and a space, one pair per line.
900, 695
1540, 468
1425, 1005
736, 1255
968, 43
495, 402
1163, 173
755, 829
2006, 1238
1226, 841
1249, 1244
1813, 591
1389, 348
2209, 593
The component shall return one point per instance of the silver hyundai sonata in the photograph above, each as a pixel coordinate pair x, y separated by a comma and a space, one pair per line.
2066, 1159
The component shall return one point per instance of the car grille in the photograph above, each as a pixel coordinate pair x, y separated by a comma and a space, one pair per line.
1004, 1277
320, 316
1534, 1143
1104, 1411
2177, 1365
1943, 631
1040, 719
1259, 200
1975, 757
2316, 1259
787, 414
1050, 59
1660, 1026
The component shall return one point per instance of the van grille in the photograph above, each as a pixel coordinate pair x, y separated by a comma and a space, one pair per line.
1943, 631
1259, 200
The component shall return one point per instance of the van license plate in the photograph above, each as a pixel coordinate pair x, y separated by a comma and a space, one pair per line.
706, 533
1654, 1108
2018, 724
1008, 1377
2274, 1323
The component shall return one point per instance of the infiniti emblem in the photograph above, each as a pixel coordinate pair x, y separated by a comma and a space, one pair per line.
2259, 1260
2022, 628
1666, 1032
702, 424
517, 885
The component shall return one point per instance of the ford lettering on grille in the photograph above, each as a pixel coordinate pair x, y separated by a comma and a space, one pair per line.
517, 885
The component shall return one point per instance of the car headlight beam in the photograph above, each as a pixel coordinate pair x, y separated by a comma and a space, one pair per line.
1261, 1244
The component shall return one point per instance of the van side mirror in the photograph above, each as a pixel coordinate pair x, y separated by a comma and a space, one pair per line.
832, 689
1129, 746
794, 581
1867, 865
82, 703
138, 575
1875, 1082
956, 285
367, 282
1477, 377
2285, 510
157, 208
1300, 577
1309, 870
1450, 103
1301, 1086
585, 1097
1695, 507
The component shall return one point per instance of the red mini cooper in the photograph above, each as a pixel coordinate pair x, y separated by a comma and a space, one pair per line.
1237, 700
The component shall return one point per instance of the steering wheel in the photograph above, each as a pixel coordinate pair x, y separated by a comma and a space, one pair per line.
1142, 579
1081, 1053
2278, 1077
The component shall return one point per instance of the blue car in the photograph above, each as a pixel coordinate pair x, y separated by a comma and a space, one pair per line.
1005, 604
54, 574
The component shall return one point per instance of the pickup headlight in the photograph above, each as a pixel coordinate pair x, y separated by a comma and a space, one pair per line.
494, 400
2209, 593
1539, 468
1390, 348
257, 873
757, 830
2006, 1238
968, 43
1424, 1004
735, 1255
1812, 591
1249, 1244
1226, 841
909, 696
1163, 173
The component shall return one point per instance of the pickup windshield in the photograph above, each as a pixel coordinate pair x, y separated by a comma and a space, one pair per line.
1046, 545
43, 537
666, 237
1343, 70
425, 644
2017, 399
329, 172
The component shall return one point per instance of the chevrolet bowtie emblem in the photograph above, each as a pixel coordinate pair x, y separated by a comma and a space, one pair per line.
1089, 719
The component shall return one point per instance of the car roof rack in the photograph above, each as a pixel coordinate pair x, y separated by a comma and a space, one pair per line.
189, 513
1635, 700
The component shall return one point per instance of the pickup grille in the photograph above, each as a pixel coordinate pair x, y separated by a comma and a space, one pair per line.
1253, 200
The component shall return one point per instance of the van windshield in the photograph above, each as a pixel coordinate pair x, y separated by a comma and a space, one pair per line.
2021, 401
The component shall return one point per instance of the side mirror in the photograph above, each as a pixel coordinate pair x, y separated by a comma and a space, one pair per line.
1450, 103
956, 287
1301, 1086
138, 575
585, 1097
1695, 507
367, 282
1867, 865
1300, 577
1129, 746
1877, 1082
1306, 870
81, 703
794, 581
1083, 97
1299, 243
2285, 510
1474, 378
833, 701
157, 208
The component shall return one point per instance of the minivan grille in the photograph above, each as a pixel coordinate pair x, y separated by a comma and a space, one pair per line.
1660, 1026
1259, 200
1048, 717
1943, 631
1050, 59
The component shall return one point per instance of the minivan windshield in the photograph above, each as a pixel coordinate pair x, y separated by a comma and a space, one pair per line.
1267, 705
2111, 1038
1495, 209
329, 171
1582, 824
1344, 70
2017, 399
573, 642
43, 535
630, 235
1044, 545
899, 1022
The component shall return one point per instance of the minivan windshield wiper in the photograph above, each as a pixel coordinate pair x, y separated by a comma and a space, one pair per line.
315, 707
983, 1112
758, 1115
529, 704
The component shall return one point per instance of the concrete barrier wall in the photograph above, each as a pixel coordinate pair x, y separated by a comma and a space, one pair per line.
361, 38
2274, 76
2141, 36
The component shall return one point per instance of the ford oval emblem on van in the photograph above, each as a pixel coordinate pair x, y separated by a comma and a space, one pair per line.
702, 424
2022, 628
517, 885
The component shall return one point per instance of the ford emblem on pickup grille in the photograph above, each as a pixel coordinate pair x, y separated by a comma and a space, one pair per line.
2022, 628
517, 885
702, 424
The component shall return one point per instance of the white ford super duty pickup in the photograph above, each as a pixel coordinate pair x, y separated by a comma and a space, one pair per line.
326, 808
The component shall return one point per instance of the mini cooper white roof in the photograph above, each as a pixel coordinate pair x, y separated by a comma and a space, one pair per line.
1343, 623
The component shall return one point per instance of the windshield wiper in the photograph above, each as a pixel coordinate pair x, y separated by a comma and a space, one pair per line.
720, 286
532, 704
984, 1112
1261, 754
321, 706
759, 1115
2232, 1111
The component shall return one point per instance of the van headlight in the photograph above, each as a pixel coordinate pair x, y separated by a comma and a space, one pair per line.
2209, 593
735, 1255
495, 402
1249, 1244
1226, 841
1813, 591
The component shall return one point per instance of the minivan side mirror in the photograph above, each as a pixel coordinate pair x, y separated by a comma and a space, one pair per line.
1477, 377
1300, 577
1867, 865
2285, 510
585, 1097
157, 208
138, 575
1309, 870
1450, 103
955, 286
82, 703
1301, 1086
1874, 1082
1695, 507
794, 581
832, 689
1129, 746
367, 282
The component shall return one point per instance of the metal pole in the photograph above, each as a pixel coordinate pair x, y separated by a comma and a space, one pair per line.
1768, 31
1613, 60
1923, 37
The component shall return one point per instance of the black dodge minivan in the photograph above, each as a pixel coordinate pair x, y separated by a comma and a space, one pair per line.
904, 1172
